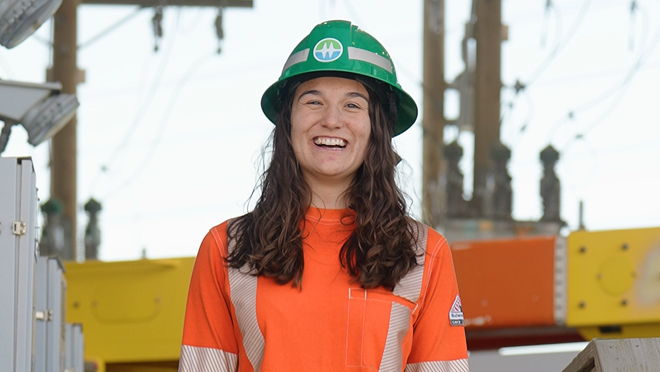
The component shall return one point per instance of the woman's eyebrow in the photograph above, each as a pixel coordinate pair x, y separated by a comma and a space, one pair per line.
311, 91
357, 94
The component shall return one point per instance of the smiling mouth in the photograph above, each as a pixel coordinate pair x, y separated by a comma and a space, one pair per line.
331, 143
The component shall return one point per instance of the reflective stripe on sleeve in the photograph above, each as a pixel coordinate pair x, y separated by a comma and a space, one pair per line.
204, 359
458, 365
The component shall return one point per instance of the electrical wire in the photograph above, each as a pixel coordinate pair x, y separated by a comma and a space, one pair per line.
111, 28
546, 24
520, 87
519, 133
631, 26
601, 118
644, 52
186, 29
620, 88
560, 44
164, 121
137, 120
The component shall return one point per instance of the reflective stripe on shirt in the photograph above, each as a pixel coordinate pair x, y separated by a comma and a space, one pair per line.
459, 365
204, 359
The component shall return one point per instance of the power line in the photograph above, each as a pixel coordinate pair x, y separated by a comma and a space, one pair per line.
620, 88
163, 125
560, 44
601, 118
550, 57
111, 28
138, 116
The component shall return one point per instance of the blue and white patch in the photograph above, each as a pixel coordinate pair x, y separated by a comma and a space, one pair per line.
328, 50
456, 313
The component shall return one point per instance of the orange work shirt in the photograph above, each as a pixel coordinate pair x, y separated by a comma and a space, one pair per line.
239, 322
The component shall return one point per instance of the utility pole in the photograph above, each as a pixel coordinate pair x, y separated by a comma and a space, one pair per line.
488, 32
433, 119
63, 162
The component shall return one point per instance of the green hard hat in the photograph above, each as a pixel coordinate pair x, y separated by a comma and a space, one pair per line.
339, 48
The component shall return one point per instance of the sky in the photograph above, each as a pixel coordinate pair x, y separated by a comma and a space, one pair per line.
170, 141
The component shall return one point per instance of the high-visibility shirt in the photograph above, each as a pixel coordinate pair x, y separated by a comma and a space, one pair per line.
239, 322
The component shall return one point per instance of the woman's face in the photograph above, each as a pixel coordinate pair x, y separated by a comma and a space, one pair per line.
330, 130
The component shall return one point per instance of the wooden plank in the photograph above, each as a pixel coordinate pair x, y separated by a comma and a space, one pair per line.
585, 361
618, 355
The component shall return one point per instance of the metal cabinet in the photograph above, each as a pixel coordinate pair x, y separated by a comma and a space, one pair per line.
18, 256
49, 334
74, 360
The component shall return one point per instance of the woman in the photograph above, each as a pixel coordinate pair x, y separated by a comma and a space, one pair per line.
328, 272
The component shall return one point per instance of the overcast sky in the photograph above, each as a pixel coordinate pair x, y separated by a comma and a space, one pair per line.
169, 141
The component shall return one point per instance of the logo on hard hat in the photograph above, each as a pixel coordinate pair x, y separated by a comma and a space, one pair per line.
328, 50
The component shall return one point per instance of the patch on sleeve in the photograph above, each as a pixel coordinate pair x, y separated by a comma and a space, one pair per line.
456, 313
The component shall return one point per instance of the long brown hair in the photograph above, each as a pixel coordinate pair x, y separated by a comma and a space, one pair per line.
379, 251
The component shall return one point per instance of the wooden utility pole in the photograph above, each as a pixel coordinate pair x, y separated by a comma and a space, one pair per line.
433, 120
488, 32
63, 164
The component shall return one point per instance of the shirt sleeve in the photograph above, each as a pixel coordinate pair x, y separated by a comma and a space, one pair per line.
209, 343
438, 335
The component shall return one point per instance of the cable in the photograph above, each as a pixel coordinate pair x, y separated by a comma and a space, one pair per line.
111, 28
604, 115
644, 52
558, 19
620, 88
560, 44
520, 87
186, 29
631, 27
138, 116
526, 122
163, 125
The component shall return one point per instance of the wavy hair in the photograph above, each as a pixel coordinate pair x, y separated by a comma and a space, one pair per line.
381, 248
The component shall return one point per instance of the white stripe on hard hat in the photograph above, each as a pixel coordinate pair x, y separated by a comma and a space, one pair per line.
353, 53
371, 57
296, 58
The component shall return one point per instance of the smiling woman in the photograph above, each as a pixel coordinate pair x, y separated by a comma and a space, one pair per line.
328, 272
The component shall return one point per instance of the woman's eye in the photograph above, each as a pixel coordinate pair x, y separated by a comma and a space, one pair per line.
353, 105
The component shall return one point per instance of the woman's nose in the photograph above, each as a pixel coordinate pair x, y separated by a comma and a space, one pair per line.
332, 117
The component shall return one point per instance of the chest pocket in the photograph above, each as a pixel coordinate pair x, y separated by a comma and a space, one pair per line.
378, 321
377, 326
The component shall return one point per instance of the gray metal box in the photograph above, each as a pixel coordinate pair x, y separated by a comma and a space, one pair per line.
18, 254
74, 360
50, 315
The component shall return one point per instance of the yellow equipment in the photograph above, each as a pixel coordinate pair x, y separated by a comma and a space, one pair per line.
614, 283
132, 312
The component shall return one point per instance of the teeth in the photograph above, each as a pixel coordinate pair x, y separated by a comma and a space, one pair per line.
329, 141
